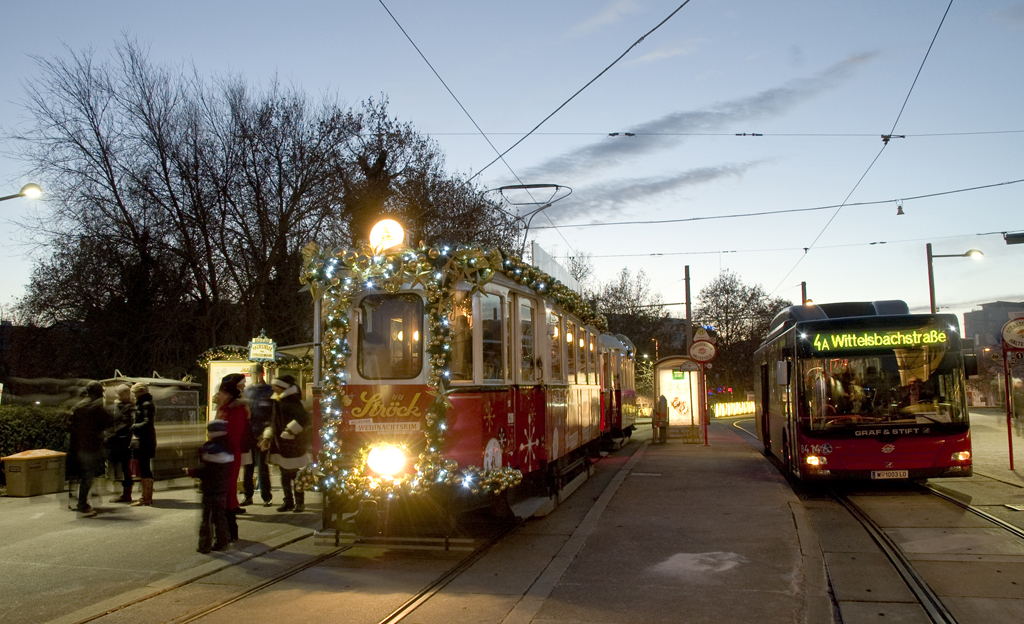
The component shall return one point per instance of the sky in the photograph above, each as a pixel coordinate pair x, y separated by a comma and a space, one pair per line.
812, 84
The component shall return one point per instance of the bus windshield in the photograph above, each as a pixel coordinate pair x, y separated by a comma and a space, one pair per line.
390, 345
900, 386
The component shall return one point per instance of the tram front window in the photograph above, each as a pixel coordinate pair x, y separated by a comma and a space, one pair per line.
390, 336
904, 387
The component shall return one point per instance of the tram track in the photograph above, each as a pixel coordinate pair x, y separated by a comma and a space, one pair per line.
933, 606
1002, 537
393, 556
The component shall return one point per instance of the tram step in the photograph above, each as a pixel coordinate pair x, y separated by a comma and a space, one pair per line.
536, 506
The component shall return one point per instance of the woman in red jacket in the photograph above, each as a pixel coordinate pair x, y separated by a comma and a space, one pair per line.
232, 409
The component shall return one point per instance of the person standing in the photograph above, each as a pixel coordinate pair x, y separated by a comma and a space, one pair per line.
143, 442
261, 409
89, 420
214, 463
119, 453
289, 439
232, 409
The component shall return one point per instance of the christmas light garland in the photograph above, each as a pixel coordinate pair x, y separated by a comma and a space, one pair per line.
341, 275
237, 352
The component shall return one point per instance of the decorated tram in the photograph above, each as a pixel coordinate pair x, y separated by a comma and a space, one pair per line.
457, 374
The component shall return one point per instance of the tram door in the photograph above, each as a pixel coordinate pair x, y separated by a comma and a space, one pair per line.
528, 438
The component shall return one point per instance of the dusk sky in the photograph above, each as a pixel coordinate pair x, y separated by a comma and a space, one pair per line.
819, 80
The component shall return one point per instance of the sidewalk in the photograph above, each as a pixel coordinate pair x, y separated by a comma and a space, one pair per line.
56, 564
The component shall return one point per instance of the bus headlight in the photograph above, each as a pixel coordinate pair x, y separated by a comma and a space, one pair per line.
386, 459
816, 460
962, 456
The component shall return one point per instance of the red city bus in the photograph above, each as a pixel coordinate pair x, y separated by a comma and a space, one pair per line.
864, 390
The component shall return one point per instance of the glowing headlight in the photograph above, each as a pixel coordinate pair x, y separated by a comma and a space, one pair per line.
961, 456
816, 460
386, 460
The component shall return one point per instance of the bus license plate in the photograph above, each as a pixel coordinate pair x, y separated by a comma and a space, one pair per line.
889, 474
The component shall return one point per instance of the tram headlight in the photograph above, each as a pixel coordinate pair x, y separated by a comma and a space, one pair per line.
816, 460
961, 456
386, 459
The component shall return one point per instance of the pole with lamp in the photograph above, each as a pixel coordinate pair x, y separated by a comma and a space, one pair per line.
30, 190
970, 253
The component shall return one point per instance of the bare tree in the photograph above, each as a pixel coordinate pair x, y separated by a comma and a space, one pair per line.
740, 315
632, 309
178, 206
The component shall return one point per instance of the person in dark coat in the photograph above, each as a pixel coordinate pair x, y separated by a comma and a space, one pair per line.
89, 420
214, 463
119, 438
144, 441
289, 438
261, 409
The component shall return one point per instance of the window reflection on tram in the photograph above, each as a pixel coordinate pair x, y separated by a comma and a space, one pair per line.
390, 331
905, 386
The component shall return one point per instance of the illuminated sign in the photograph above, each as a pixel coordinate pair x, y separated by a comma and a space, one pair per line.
262, 349
837, 341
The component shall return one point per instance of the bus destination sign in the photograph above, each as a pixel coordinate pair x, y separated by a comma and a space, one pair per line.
885, 339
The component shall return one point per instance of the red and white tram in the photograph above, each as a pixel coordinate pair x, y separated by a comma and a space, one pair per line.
457, 374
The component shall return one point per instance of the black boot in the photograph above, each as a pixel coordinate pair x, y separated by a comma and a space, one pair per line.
300, 501
232, 525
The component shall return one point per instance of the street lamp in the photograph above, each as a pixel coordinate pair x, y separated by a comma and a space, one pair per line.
29, 190
970, 253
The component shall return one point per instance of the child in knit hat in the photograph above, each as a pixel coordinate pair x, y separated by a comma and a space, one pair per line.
214, 464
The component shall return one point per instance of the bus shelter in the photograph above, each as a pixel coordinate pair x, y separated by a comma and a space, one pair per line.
681, 381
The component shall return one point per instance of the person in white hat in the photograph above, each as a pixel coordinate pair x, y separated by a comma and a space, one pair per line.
289, 438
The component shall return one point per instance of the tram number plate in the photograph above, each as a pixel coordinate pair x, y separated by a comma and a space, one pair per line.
889, 474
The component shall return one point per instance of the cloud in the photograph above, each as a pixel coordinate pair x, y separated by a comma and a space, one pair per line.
658, 133
609, 15
1012, 14
667, 51
616, 196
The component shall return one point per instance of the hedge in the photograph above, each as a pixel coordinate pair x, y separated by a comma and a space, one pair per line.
26, 427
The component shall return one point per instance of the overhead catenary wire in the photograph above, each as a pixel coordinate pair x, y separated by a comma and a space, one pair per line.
501, 156
786, 210
658, 254
885, 143
581, 89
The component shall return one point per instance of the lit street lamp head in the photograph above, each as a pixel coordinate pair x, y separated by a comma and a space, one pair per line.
970, 253
30, 190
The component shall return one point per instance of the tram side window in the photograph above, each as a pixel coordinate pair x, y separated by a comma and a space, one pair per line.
493, 340
389, 336
528, 343
461, 322
591, 358
581, 355
554, 330
570, 360
511, 348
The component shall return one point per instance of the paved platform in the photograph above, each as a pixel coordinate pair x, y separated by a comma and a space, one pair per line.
674, 532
